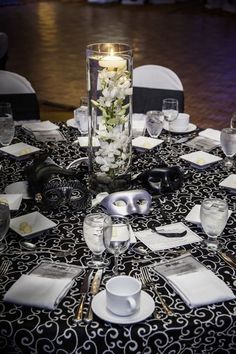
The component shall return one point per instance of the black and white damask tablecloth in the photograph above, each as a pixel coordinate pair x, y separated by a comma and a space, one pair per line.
207, 329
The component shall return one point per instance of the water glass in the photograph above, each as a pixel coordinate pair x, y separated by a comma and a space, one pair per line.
154, 123
170, 108
7, 130
81, 118
228, 144
116, 236
93, 228
4, 223
214, 216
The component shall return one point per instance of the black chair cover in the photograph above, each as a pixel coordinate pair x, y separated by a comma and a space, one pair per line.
25, 106
148, 99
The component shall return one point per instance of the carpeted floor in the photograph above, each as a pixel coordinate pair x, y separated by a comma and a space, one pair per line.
47, 41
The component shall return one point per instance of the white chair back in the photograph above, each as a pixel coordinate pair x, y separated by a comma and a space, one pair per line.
12, 83
156, 76
152, 84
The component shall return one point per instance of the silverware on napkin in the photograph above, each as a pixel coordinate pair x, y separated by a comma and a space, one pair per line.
94, 290
84, 289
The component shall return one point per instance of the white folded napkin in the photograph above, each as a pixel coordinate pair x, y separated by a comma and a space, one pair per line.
194, 215
200, 288
40, 126
211, 134
33, 290
196, 285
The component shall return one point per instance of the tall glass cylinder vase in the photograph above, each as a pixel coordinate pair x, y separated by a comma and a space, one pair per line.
109, 78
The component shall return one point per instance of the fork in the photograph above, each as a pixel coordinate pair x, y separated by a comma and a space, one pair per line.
149, 283
140, 278
4, 267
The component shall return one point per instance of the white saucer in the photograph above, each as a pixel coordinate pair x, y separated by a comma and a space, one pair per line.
191, 128
72, 123
20, 187
147, 307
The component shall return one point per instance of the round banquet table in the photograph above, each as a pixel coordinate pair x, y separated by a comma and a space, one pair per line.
206, 329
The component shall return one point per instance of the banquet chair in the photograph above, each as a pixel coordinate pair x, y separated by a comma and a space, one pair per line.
3, 50
152, 84
17, 90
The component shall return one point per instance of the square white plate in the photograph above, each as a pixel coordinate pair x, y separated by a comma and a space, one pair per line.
13, 200
194, 215
144, 142
201, 159
40, 126
34, 223
19, 149
229, 182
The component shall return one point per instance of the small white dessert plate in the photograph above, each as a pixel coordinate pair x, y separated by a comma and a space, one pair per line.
19, 150
229, 182
147, 307
31, 224
144, 142
72, 123
191, 128
13, 200
200, 159
40, 126
20, 187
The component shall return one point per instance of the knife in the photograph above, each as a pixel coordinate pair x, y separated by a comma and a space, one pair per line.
83, 290
94, 290
228, 258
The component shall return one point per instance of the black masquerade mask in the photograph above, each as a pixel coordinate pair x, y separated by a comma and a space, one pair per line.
55, 186
161, 179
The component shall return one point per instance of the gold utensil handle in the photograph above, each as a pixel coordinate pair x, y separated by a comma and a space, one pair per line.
79, 315
89, 314
168, 311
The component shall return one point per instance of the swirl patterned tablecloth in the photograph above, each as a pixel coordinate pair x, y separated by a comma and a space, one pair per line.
207, 329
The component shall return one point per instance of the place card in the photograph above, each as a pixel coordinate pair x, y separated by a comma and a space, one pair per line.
195, 284
210, 133
157, 242
202, 143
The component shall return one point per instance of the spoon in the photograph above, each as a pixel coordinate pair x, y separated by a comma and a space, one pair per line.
140, 250
29, 246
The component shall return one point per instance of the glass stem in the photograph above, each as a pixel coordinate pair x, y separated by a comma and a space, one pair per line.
97, 257
115, 269
169, 135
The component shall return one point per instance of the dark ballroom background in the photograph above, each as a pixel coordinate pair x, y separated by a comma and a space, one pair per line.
47, 41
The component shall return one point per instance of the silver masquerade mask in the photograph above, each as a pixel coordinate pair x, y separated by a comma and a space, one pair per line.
128, 202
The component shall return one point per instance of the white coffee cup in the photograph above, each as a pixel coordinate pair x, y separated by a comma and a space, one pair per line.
181, 123
123, 295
